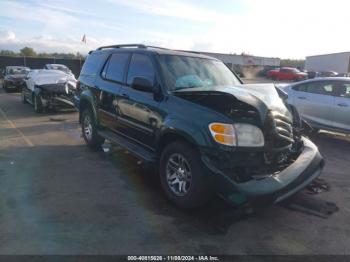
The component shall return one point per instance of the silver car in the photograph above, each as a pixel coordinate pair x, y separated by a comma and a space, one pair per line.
323, 102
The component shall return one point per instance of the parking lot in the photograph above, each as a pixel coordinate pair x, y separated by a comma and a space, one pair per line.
58, 197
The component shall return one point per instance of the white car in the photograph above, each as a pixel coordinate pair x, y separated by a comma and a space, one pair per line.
59, 67
323, 102
49, 89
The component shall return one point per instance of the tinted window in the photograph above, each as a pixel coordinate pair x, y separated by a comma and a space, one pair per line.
140, 65
116, 67
92, 64
321, 88
300, 88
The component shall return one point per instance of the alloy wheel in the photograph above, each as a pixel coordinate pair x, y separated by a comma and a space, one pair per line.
178, 174
87, 126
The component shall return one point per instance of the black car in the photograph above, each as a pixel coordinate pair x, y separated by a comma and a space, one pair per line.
14, 77
194, 119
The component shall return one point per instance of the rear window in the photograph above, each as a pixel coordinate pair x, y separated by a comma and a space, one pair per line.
92, 64
115, 69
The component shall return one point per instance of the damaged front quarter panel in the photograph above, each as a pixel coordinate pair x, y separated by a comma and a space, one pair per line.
239, 173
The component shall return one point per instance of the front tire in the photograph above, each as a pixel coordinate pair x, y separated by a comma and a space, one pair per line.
24, 100
5, 86
89, 130
183, 176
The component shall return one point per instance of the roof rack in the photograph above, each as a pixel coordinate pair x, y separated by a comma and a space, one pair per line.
152, 46
122, 46
130, 45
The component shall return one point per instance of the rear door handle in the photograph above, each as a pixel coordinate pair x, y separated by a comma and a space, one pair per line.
343, 105
302, 97
125, 96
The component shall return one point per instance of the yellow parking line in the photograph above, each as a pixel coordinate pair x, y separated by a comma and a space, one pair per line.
28, 142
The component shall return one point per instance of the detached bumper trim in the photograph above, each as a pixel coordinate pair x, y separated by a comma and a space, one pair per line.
309, 162
298, 188
278, 187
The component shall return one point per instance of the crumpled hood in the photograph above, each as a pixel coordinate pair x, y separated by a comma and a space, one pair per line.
263, 97
45, 77
269, 95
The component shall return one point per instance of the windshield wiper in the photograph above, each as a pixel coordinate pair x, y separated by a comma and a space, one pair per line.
186, 87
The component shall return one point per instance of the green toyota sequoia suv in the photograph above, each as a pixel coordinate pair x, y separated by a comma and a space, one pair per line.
194, 119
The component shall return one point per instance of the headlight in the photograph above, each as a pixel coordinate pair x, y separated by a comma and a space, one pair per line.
242, 135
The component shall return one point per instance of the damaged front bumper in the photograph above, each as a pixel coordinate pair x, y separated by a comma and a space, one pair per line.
56, 95
15, 84
271, 188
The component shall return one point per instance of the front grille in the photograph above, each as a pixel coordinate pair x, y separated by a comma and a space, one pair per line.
283, 126
59, 88
278, 130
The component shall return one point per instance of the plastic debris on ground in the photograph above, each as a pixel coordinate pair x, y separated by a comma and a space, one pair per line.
317, 186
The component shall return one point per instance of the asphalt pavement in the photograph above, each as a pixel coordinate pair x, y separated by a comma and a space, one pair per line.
59, 197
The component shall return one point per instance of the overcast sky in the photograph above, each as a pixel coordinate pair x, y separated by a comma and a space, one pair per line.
276, 28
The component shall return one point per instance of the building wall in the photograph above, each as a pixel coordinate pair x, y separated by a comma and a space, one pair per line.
245, 60
338, 62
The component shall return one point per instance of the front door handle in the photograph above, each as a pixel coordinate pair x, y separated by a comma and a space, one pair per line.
126, 96
343, 105
302, 97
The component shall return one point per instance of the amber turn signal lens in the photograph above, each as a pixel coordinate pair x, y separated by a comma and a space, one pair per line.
221, 128
223, 133
222, 139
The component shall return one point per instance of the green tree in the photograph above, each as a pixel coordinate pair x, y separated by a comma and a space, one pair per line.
27, 51
8, 53
293, 63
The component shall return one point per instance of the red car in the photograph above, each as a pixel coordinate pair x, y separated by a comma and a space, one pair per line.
286, 73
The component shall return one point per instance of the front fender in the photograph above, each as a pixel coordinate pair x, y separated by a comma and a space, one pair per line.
188, 130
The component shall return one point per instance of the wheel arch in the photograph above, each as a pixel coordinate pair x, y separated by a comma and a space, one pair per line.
170, 136
85, 102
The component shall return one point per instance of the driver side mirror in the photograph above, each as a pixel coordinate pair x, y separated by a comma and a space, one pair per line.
142, 84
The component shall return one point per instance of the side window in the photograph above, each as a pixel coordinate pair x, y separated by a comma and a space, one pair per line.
341, 89
300, 88
286, 71
116, 67
320, 88
140, 65
91, 64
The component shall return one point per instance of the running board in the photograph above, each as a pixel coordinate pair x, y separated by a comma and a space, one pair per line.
133, 148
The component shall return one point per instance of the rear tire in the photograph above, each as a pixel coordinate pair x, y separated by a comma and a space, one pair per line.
37, 102
180, 163
89, 130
